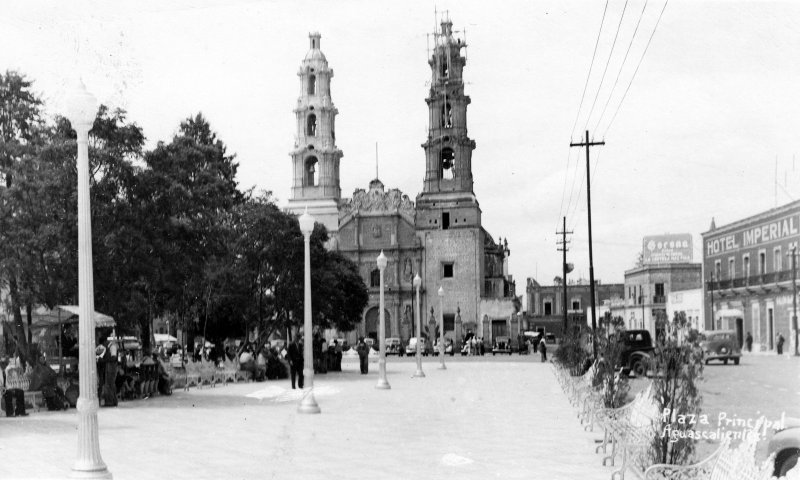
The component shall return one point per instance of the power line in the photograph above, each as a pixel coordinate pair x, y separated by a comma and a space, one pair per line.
610, 54
578, 113
637, 68
591, 65
622, 66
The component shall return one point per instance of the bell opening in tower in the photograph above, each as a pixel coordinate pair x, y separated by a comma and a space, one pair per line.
311, 125
311, 176
447, 160
312, 84
446, 116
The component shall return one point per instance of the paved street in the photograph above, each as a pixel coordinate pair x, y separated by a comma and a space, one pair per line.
501, 417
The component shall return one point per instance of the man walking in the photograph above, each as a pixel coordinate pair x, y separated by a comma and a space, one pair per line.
780, 343
295, 356
363, 355
748, 341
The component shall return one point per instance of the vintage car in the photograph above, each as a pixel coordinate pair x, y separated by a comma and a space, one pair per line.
448, 347
785, 445
636, 352
411, 349
501, 345
722, 345
393, 345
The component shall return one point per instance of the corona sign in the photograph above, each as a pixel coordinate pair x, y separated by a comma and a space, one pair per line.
658, 249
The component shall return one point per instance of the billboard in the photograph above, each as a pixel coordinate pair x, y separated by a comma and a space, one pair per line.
668, 248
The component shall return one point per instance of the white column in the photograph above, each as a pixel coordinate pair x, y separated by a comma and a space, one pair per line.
419, 372
308, 404
81, 111
383, 384
442, 366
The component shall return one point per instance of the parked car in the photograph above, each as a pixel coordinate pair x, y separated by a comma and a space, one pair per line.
721, 345
411, 349
637, 352
393, 345
785, 445
501, 345
448, 347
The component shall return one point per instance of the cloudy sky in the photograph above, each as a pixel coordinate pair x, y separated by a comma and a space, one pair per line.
708, 124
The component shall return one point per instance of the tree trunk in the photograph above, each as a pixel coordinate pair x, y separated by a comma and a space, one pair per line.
19, 328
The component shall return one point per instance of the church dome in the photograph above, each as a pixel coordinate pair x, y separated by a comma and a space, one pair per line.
314, 53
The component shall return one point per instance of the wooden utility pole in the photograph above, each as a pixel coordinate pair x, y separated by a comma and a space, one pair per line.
563, 248
588, 144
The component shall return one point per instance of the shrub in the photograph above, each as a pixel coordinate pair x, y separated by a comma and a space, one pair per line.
572, 354
678, 362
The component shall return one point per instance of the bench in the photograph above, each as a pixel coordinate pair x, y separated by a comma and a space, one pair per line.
16, 379
629, 429
726, 463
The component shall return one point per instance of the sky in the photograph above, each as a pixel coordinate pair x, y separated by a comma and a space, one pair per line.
705, 128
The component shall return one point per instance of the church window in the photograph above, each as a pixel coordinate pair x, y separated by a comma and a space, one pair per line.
445, 220
447, 160
445, 70
375, 278
311, 178
311, 125
446, 116
447, 270
312, 84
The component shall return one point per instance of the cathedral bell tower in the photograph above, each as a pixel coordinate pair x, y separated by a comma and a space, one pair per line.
315, 158
448, 149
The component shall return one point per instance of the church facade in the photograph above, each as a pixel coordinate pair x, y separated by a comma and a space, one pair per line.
438, 235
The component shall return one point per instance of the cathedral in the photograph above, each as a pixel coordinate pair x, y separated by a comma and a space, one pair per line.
438, 235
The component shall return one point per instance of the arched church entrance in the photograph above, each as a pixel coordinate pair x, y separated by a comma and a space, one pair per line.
372, 321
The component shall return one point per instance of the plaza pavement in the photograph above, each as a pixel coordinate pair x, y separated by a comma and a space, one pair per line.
481, 418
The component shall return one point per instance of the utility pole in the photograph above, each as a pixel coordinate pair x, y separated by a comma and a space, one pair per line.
588, 144
794, 296
711, 289
563, 248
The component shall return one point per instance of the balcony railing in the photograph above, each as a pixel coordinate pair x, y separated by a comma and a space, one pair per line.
752, 280
659, 299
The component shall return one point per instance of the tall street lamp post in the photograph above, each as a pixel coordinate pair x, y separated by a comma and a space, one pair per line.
383, 384
81, 111
308, 404
442, 366
419, 372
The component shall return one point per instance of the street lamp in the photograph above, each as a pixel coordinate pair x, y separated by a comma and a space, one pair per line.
419, 372
308, 404
81, 110
442, 366
383, 384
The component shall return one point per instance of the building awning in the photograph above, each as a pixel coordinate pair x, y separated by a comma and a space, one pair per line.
42, 317
729, 312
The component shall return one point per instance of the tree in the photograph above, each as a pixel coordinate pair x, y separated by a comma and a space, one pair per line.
20, 135
186, 191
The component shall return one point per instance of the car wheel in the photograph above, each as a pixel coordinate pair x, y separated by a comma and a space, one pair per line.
639, 369
736, 361
706, 362
725, 362
493, 354
785, 461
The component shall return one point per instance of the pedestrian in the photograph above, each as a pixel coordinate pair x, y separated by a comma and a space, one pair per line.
363, 355
295, 356
543, 349
748, 342
780, 343
337, 350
